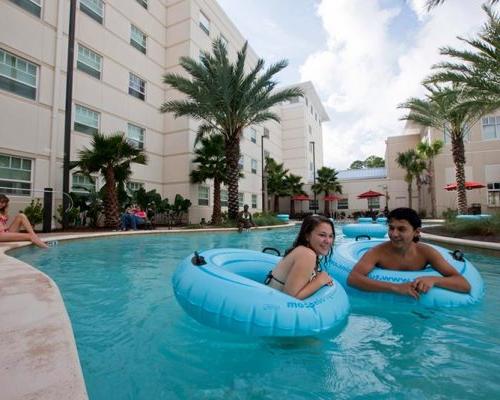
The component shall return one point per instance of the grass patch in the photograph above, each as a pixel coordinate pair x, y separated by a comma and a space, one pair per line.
483, 227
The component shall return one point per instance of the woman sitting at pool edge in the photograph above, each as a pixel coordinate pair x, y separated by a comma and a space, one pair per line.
403, 252
298, 273
12, 232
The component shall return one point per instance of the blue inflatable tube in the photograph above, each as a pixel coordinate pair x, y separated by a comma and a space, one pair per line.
475, 217
283, 217
381, 220
365, 220
347, 254
227, 293
372, 230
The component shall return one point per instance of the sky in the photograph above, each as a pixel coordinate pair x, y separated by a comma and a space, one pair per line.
363, 56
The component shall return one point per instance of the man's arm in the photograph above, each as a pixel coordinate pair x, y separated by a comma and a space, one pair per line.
359, 279
450, 280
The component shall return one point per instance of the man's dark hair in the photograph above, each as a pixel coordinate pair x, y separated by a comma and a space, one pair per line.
408, 214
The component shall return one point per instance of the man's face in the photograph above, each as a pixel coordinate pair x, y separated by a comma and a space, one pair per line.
401, 232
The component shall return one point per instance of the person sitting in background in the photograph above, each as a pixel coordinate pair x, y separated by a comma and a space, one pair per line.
245, 220
12, 233
298, 273
403, 252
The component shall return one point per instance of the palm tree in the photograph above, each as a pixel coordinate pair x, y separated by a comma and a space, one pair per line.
212, 165
433, 3
225, 98
444, 109
294, 186
476, 70
406, 160
276, 178
111, 156
327, 182
428, 151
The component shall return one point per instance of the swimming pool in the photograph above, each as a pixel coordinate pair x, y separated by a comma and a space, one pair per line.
134, 341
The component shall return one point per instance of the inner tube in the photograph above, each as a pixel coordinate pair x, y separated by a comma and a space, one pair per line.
347, 255
226, 292
372, 230
365, 220
283, 217
381, 220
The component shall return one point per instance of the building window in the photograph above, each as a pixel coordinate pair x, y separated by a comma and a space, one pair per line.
223, 198
254, 166
18, 75
86, 120
342, 204
241, 199
254, 201
373, 202
32, 6
136, 86
138, 39
15, 175
253, 135
310, 130
203, 195
134, 186
135, 136
143, 3
313, 205
82, 184
224, 41
204, 23
266, 133
93, 8
89, 62
241, 162
493, 194
491, 127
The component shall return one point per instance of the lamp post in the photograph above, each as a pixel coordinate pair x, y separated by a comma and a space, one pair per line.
264, 180
314, 173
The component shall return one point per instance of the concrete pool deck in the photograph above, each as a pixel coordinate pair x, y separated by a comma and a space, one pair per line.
37, 345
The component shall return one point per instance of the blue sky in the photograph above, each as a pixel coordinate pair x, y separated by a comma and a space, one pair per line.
364, 57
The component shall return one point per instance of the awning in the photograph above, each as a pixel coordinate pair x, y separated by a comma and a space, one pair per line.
468, 185
300, 197
369, 194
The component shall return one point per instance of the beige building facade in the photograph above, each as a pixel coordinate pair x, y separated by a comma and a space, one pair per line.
122, 50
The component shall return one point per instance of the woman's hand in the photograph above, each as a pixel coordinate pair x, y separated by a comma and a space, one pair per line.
324, 278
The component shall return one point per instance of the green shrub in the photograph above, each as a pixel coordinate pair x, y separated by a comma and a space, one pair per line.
450, 214
34, 212
482, 227
73, 214
264, 219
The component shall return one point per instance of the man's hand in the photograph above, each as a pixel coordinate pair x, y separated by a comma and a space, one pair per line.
423, 283
407, 289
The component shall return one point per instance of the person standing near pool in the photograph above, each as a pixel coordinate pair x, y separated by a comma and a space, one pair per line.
298, 273
12, 232
403, 252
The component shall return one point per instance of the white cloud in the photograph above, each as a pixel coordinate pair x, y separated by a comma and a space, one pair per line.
366, 69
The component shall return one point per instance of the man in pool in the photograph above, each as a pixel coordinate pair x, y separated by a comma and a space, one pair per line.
404, 252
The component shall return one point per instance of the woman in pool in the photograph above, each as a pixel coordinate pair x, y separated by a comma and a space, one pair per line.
298, 273
12, 232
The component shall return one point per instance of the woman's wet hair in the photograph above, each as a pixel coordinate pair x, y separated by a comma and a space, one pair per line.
4, 199
407, 214
308, 225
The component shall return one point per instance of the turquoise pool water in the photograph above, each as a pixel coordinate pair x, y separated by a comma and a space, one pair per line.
135, 342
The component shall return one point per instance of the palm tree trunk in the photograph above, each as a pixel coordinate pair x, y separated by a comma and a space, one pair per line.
458, 152
292, 206
216, 213
419, 195
111, 212
410, 200
276, 203
432, 188
327, 206
232, 147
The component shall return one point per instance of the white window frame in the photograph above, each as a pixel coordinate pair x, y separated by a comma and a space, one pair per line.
342, 204
89, 57
254, 201
204, 23
136, 86
491, 120
94, 9
253, 165
224, 199
241, 199
493, 194
32, 6
26, 191
134, 140
252, 133
241, 161
90, 119
19, 68
85, 182
203, 195
374, 202
138, 39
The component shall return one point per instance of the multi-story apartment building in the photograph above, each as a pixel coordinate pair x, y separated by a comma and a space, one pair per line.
482, 152
122, 50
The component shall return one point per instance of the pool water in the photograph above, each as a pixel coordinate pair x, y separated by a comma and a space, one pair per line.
135, 342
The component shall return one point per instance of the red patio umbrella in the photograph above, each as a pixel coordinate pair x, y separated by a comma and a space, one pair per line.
468, 185
332, 197
300, 197
369, 194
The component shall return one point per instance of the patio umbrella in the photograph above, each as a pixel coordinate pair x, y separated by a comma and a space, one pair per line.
297, 197
332, 197
468, 185
369, 195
